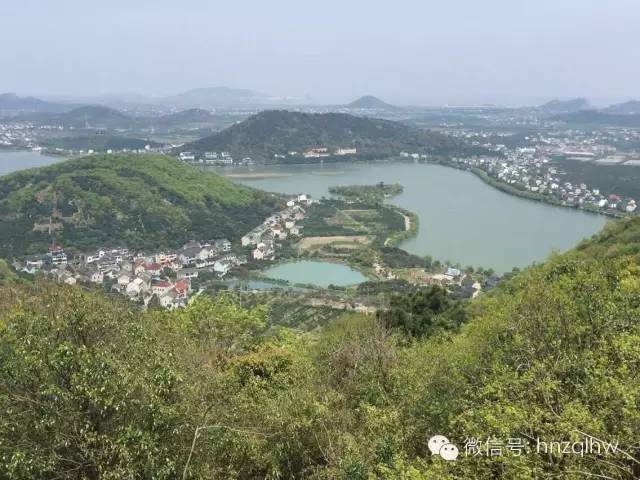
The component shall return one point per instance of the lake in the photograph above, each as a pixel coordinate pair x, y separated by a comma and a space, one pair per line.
321, 274
462, 219
12, 160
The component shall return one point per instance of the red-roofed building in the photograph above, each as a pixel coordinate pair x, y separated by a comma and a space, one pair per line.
160, 287
182, 288
153, 268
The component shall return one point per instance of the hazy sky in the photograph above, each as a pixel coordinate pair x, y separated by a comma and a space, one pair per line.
405, 51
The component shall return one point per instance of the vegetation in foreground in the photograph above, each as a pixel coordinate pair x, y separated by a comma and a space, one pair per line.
92, 388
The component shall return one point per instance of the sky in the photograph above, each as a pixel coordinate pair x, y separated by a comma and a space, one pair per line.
406, 52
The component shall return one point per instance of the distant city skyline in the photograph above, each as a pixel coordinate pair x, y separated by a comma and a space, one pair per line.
410, 53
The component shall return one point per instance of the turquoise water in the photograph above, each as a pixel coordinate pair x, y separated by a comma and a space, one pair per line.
321, 274
462, 219
11, 160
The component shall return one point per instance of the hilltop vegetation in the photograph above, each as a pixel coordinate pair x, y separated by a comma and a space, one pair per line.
140, 201
96, 389
278, 132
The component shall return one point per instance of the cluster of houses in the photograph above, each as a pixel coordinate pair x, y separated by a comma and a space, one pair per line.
459, 283
535, 174
213, 158
414, 155
166, 275
318, 152
278, 226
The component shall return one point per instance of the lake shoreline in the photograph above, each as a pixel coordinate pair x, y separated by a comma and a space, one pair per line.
500, 186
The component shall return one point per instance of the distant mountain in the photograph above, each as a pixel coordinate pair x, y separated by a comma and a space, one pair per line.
140, 201
370, 102
277, 132
91, 116
11, 104
101, 117
185, 117
95, 117
598, 118
213, 97
626, 108
565, 106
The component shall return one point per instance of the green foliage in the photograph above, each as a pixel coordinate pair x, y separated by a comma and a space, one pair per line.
368, 194
92, 388
623, 180
7, 275
423, 312
333, 217
141, 201
397, 258
279, 132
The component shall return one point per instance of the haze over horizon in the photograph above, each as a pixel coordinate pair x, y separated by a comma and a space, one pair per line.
418, 53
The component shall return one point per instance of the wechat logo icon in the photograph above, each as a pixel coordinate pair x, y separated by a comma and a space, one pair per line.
440, 445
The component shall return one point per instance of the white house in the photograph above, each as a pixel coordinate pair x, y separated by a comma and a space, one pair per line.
187, 273
169, 299
136, 287
96, 276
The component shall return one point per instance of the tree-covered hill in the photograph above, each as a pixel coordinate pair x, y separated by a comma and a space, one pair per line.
278, 132
183, 117
564, 106
139, 201
92, 388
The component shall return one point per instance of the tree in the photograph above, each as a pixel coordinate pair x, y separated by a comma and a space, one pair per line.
423, 312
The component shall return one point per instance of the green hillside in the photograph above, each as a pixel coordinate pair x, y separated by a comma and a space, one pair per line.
141, 201
278, 132
96, 389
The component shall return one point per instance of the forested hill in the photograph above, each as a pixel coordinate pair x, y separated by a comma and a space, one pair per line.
139, 201
278, 132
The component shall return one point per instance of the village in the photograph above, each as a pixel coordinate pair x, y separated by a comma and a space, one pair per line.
226, 159
166, 276
530, 169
